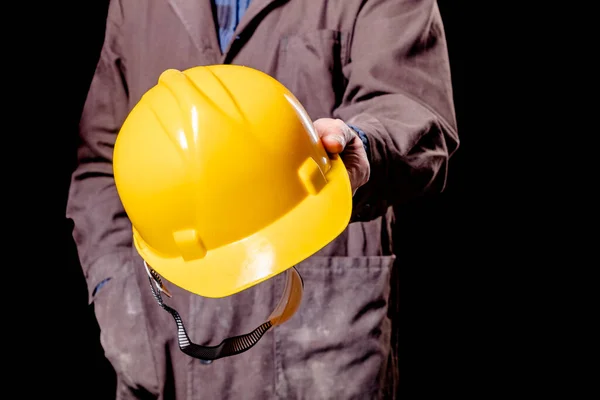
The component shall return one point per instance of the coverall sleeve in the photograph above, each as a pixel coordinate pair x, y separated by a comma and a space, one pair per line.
102, 231
399, 93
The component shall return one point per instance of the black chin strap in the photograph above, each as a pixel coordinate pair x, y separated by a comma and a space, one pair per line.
287, 306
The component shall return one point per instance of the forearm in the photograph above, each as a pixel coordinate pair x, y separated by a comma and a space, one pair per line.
409, 148
100, 223
399, 93
102, 231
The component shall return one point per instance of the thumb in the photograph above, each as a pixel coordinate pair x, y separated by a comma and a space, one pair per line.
334, 133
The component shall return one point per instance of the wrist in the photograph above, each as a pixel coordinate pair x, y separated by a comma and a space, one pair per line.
362, 136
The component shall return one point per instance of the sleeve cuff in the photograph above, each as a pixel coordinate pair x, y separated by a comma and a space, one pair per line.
104, 269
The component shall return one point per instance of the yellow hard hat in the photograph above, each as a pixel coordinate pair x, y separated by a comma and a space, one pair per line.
225, 180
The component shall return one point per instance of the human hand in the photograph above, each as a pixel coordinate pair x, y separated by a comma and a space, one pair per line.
339, 138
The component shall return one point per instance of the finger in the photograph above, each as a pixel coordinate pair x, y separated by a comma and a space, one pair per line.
334, 143
334, 133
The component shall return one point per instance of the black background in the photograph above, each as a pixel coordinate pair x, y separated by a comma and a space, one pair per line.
441, 320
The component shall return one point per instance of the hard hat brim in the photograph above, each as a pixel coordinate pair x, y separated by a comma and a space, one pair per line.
297, 235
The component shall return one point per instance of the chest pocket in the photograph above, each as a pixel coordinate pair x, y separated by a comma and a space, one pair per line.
310, 65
